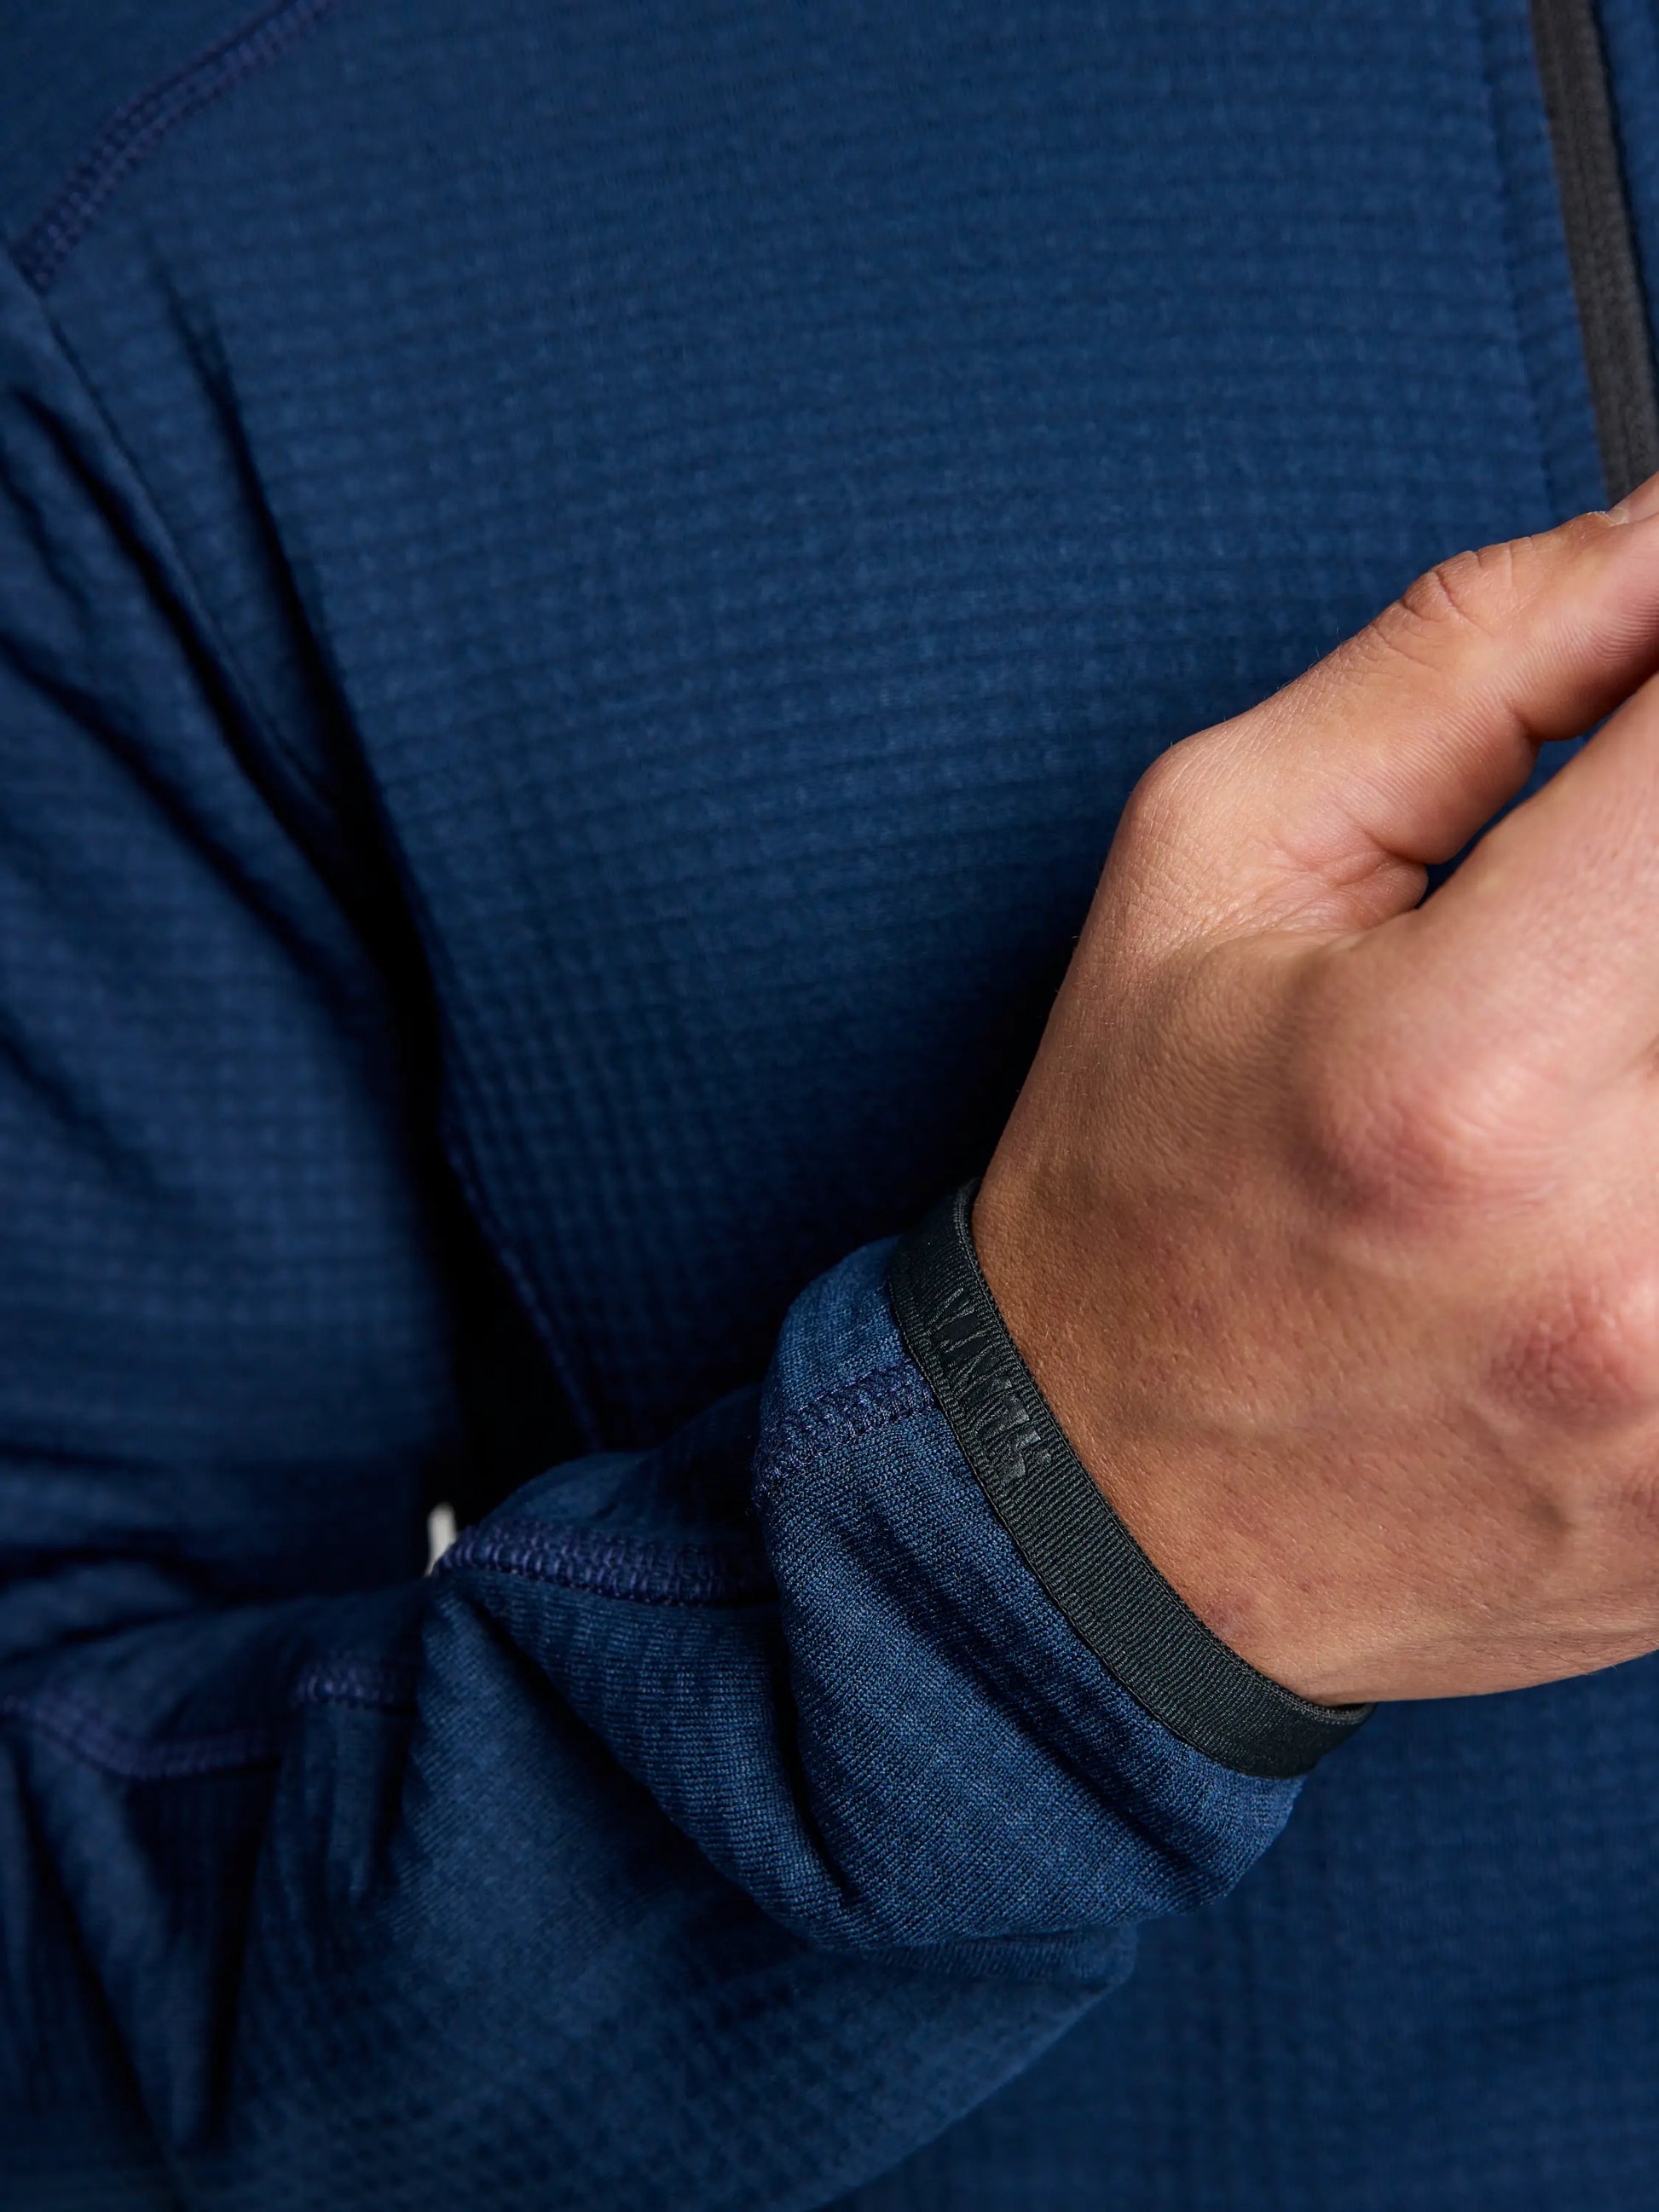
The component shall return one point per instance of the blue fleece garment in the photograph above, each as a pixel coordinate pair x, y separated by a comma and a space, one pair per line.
580, 590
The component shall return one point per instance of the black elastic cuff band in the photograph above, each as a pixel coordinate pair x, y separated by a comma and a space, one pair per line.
1141, 1628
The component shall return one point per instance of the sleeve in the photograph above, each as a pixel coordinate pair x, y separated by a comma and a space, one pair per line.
715, 1825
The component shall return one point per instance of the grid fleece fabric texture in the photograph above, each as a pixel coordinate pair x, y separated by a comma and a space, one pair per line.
580, 590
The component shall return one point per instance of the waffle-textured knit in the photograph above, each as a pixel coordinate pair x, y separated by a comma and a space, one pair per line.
581, 585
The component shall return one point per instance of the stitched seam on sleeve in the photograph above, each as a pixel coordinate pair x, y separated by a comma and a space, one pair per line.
133, 133
608, 1565
645, 1571
839, 1417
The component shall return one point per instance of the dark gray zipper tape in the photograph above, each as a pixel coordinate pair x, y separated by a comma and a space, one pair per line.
1607, 277
1134, 1621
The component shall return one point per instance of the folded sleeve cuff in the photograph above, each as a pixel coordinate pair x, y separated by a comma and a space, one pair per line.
1134, 1621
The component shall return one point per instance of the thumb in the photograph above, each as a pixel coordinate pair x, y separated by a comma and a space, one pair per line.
1321, 808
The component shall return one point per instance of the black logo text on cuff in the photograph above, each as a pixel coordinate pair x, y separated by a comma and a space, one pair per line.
1135, 1622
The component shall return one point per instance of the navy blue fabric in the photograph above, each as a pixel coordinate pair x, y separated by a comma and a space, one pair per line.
580, 590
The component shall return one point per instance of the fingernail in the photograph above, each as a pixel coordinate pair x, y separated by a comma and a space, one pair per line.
1638, 505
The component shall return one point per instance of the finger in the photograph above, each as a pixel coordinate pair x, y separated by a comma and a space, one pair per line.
1322, 807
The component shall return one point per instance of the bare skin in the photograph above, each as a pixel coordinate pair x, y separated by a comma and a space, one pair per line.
1328, 1223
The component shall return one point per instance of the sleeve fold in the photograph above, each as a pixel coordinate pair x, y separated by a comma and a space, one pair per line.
718, 1824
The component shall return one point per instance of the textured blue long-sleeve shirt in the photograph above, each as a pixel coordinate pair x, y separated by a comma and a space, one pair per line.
580, 588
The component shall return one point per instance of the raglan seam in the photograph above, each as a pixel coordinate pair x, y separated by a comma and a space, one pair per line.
137, 129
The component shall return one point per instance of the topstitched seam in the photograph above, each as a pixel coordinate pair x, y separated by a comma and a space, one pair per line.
618, 1564
134, 132
840, 1416
590, 1559
607, 1564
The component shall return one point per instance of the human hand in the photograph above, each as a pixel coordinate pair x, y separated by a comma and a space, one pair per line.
1328, 1223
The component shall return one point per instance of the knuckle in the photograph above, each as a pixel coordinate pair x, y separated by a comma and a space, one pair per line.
1406, 1143
1588, 1353
1470, 597
1166, 797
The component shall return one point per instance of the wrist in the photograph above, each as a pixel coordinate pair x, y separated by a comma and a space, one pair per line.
1204, 1513
1068, 1532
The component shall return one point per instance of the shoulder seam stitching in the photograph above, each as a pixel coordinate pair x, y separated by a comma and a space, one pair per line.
133, 133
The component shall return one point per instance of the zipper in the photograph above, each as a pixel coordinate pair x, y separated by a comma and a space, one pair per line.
1607, 276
